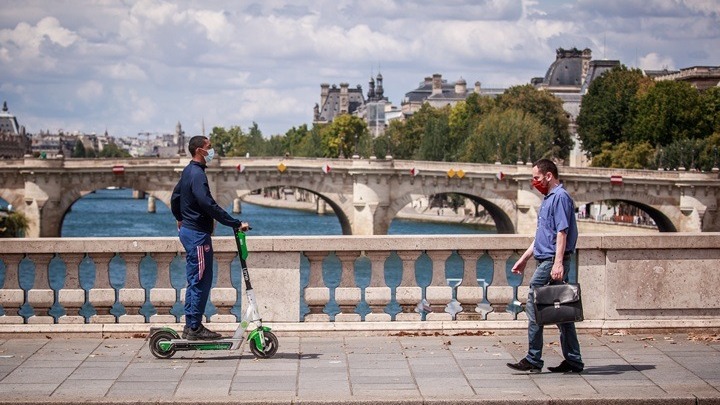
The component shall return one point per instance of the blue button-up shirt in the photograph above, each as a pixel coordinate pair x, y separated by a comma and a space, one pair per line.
557, 213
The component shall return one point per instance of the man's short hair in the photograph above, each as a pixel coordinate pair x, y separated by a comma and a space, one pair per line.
546, 165
195, 143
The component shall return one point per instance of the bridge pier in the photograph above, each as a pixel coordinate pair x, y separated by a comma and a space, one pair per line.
151, 205
237, 206
321, 209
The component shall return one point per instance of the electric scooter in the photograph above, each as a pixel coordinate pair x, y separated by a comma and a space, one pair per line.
165, 341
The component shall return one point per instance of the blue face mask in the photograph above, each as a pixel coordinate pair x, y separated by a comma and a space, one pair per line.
210, 156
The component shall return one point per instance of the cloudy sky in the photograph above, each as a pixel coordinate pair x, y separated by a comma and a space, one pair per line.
141, 66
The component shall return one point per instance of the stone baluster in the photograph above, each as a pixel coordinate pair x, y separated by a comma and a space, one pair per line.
71, 296
12, 296
40, 296
347, 295
102, 295
500, 293
224, 295
408, 294
377, 294
438, 293
132, 295
317, 295
469, 293
163, 295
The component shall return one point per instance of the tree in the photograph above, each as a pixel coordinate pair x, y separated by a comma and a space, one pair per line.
435, 143
668, 111
230, 142
13, 224
111, 150
710, 108
547, 108
506, 136
406, 137
311, 144
255, 142
606, 111
78, 150
344, 135
626, 155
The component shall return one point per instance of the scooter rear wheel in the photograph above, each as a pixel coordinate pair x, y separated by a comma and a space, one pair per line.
155, 348
271, 346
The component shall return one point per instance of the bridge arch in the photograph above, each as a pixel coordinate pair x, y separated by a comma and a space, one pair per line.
497, 207
225, 198
661, 210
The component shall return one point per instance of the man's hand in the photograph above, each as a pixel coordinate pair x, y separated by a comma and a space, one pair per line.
244, 226
557, 271
179, 225
519, 266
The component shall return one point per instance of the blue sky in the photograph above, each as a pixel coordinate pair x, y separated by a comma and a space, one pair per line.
142, 66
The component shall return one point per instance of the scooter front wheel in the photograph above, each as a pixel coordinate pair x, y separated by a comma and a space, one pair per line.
156, 350
270, 346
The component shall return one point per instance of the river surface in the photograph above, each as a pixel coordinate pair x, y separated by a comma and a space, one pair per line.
116, 213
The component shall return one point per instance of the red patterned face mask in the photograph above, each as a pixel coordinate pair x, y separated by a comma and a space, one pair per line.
543, 189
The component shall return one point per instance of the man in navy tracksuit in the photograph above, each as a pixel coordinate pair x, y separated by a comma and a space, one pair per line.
195, 209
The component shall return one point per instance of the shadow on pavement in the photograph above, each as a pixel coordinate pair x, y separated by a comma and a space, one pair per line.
616, 369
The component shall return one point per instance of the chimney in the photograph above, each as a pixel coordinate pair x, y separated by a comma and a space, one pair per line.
324, 91
436, 84
461, 87
477, 87
344, 98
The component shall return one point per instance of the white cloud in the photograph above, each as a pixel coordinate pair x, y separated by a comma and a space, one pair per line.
144, 65
654, 61
90, 91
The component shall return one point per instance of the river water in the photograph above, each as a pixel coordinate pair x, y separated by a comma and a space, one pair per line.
115, 213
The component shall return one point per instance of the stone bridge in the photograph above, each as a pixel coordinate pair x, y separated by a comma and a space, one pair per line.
366, 194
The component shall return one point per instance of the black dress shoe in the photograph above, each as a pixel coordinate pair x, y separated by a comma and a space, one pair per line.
524, 365
565, 367
185, 331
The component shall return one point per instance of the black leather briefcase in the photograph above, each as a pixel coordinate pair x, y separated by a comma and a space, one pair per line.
558, 303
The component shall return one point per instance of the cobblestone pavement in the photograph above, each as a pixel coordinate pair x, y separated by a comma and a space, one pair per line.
659, 368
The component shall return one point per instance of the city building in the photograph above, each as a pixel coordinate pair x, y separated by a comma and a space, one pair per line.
700, 77
14, 142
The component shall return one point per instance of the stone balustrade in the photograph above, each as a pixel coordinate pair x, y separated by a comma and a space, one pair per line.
656, 281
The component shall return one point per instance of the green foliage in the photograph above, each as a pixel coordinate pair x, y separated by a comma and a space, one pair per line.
230, 142
507, 136
710, 108
13, 224
547, 108
343, 136
606, 112
78, 150
406, 136
668, 111
625, 155
435, 142
111, 150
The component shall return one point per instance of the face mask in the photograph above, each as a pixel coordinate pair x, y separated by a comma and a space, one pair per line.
210, 156
543, 189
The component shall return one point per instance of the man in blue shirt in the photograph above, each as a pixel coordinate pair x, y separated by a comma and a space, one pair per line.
196, 212
554, 242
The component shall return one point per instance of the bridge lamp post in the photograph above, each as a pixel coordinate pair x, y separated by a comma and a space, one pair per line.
356, 155
715, 159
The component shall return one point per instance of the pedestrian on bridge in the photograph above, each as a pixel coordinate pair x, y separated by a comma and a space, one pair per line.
554, 242
195, 211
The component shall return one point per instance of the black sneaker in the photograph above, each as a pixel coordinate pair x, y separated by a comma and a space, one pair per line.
565, 367
524, 365
185, 331
202, 333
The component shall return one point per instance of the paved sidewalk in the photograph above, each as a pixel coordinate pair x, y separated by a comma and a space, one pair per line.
660, 368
